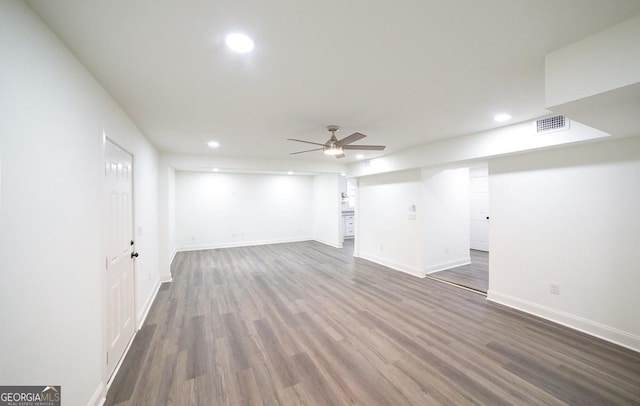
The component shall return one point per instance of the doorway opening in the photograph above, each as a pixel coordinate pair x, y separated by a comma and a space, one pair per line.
348, 187
475, 275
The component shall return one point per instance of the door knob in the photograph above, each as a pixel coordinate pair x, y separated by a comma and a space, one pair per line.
134, 254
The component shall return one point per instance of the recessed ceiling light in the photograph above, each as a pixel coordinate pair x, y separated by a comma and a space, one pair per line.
360, 156
213, 144
216, 170
343, 174
289, 173
239, 43
502, 117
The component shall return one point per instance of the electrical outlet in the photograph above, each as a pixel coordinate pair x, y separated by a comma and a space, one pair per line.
554, 288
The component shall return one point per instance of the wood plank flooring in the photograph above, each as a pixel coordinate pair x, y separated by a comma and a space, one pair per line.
473, 276
303, 323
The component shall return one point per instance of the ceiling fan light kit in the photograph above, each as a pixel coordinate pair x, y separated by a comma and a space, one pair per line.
336, 147
333, 150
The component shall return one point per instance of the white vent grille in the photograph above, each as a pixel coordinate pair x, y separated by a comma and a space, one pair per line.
551, 124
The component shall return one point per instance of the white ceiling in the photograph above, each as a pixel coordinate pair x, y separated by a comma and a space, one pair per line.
405, 73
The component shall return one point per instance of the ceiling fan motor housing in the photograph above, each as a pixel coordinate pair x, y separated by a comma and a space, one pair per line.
336, 147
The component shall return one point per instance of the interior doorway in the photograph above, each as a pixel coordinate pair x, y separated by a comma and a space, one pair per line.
119, 252
475, 275
348, 188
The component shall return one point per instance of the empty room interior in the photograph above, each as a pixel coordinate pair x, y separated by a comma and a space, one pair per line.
323, 203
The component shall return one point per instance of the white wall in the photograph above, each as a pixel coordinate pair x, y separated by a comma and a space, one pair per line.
171, 213
446, 218
167, 217
385, 234
145, 215
597, 64
570, 216
597, 80
478, 146
436, 238
52, 118
216, 210
326, 209
194, 163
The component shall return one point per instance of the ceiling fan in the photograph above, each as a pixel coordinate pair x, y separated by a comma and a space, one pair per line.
337, 147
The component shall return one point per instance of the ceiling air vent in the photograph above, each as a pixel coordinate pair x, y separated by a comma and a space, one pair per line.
551, 124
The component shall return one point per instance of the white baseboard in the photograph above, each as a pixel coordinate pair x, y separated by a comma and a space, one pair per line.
99, 396
448, 265
411, 270
201, 247
147, 306
321, 241
173, 255
607, 333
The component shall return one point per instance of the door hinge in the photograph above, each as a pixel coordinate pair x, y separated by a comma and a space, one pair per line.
107, 357
106, 263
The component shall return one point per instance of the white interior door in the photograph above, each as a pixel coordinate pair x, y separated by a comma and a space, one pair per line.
119, 247
479, 208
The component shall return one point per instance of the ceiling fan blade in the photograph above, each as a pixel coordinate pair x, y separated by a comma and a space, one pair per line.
365, 147
352, 138
307, 142
340, 156
309, 150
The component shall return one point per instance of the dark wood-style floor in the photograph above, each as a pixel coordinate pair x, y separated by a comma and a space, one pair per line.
473, 276
304, 323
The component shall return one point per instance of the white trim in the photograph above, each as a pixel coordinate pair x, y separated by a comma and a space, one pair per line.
99, 396
167, 279
448, 265
321, 241
396, 266
590, 327
162, 277
147, 306
241, 244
